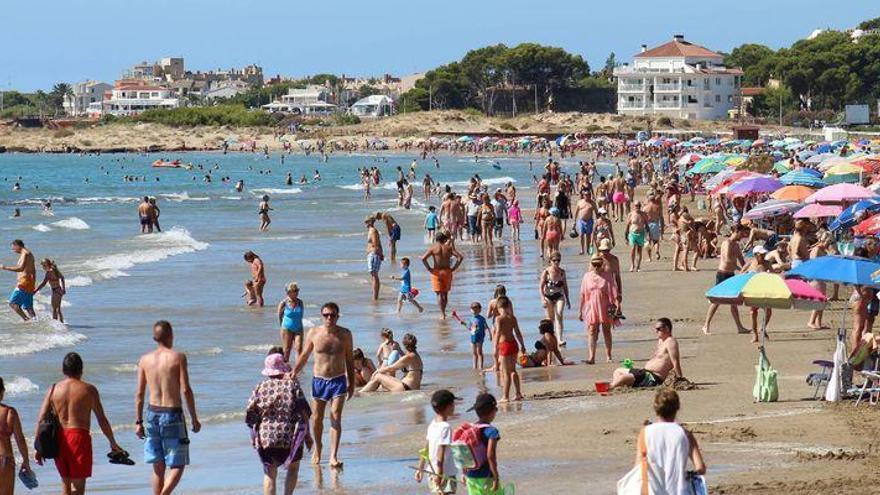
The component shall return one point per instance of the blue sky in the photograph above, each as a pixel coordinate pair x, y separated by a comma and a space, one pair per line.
46, 41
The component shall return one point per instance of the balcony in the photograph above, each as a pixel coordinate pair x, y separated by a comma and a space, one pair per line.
630, 105
630, 88
667, 105
659, 88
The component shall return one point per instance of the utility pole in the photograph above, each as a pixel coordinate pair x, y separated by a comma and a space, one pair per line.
536, 98
430, 97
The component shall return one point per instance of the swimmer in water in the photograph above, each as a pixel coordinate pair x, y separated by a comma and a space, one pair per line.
239, 186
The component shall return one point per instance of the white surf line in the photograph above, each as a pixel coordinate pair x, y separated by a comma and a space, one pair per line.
736, 419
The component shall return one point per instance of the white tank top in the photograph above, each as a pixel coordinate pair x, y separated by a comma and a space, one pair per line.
668, 449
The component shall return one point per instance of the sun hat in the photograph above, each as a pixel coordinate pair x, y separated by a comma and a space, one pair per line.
274, 365
605, 245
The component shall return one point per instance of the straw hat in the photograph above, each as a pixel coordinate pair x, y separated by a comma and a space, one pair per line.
605, 245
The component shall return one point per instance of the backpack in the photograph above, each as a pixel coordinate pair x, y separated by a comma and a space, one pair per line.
468, 448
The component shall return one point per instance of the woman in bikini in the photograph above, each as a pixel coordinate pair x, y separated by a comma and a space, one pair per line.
411, 366
554, 294
486, 220
264, 214
10, 425
58, 285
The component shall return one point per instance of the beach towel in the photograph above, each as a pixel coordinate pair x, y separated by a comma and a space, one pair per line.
766, 388
643, 479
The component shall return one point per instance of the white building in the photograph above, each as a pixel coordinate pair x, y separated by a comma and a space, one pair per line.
373, 106
133, 97
84, 94
309, 101
678, 79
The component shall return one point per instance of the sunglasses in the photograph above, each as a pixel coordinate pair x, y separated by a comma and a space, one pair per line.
329, 315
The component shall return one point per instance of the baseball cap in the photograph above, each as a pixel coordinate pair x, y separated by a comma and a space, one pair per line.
484, 403
605, 245
759, 250
443, 398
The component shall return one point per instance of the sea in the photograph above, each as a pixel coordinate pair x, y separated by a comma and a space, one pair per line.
192, 273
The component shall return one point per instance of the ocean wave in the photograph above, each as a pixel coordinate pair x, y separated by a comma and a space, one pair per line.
210, 351
336, 275
35, 336
486, 182
184, 196
79, 281
19, 385
352, 187
42, 228
258, 348
269, 190
72, 223
145, 249
309, 323
124, 368
232, 198
107, 199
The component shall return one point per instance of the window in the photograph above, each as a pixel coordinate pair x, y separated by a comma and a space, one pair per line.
155, 94
692, 99
729, 98
706, 83
717, 81
717, 98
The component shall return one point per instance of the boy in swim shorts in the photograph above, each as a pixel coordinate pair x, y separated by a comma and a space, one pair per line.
406, 290
477, 326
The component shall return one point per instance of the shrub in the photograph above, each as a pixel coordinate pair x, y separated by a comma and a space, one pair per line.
62, 133
593, 128
664, 121
346, 119
507, 126
85, 142
234, 115
473, 112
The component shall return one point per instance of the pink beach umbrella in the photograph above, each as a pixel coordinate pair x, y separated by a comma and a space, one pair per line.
839, 193
816, 210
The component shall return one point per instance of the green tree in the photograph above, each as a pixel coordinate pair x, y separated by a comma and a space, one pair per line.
773, 102
757, 62
484, 70
544, 68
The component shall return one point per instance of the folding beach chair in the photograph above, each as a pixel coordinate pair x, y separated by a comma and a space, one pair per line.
820, 377
871, 385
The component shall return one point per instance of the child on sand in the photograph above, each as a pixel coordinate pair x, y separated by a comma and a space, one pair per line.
406, 292
389, 350
514, 218
484, 479
58, 285
508, 346
477, 326
545, 349
439, 438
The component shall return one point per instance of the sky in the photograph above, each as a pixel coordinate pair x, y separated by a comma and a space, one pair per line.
47, 41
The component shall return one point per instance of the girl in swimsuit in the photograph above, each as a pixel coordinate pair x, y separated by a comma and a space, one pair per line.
554, 294
514, 218
410, 364
264, 214
363, 367
290, 317
58, 285
10, 426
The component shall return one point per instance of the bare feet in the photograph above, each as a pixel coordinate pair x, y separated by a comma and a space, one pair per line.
316, 458
706, 331
518, 398
335, 464
503, 401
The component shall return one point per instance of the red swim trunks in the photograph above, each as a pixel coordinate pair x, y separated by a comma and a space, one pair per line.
508, 348
74, 454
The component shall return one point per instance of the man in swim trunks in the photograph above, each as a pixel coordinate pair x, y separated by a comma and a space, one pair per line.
634, 233
442, 252
374, 254
583, 213
333, 378
258, 279
654, 213
167, 445
618, 197
729, 261
22, 297
146, 214
665, 359
73, 402
393, 232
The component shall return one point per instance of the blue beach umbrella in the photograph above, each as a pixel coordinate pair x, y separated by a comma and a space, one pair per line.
855, 214
837, 269
802, 177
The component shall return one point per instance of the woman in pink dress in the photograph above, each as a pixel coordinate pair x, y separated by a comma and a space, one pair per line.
598, 296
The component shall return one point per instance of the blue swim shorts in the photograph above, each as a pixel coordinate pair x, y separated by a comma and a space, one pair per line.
395, 232
325, 389
586, 226
374, 263
22, 298
167, 442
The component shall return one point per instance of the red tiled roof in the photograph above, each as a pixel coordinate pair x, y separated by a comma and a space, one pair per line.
679, 48
753, 91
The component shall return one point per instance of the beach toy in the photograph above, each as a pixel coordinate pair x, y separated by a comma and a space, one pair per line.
414, 292
602, 387
523, 360
628, 363
392, 357
28, 479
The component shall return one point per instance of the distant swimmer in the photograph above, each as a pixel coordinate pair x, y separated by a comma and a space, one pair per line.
154, 218
254, 287
145, 214
47, 208
22, 297
16, 187
239, 186
289, 179
16, 213
317, 175
303, 180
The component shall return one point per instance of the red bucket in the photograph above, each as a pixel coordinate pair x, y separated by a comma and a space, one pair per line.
602, 387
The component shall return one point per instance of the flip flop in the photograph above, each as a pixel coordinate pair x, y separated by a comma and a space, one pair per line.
120, 457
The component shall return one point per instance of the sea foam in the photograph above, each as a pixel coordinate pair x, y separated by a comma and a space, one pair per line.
72, 223
148, 249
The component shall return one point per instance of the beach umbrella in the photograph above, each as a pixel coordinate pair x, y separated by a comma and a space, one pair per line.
869, 226
766, 290
706, 166
465, 139
803, 155
735, 160
840, 193
817, 159
843, 172
773, 208
855, 213
755, 185
793, 193
816, 210
782, 166
738, 175
759, 142
688, 159
838, 269
717, 179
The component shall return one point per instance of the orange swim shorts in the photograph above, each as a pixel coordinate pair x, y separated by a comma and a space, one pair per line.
441, 279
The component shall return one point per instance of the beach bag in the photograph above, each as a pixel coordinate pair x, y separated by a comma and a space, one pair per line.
48, 430
468, 449
697, 483
766, 389
835, 389
643, 479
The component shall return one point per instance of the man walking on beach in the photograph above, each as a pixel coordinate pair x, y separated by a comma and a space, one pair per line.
146, 214
22, 297
442, 252
73, 401
333, 378
374, 254
729, 261
583, 214
634, 235
167, 443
